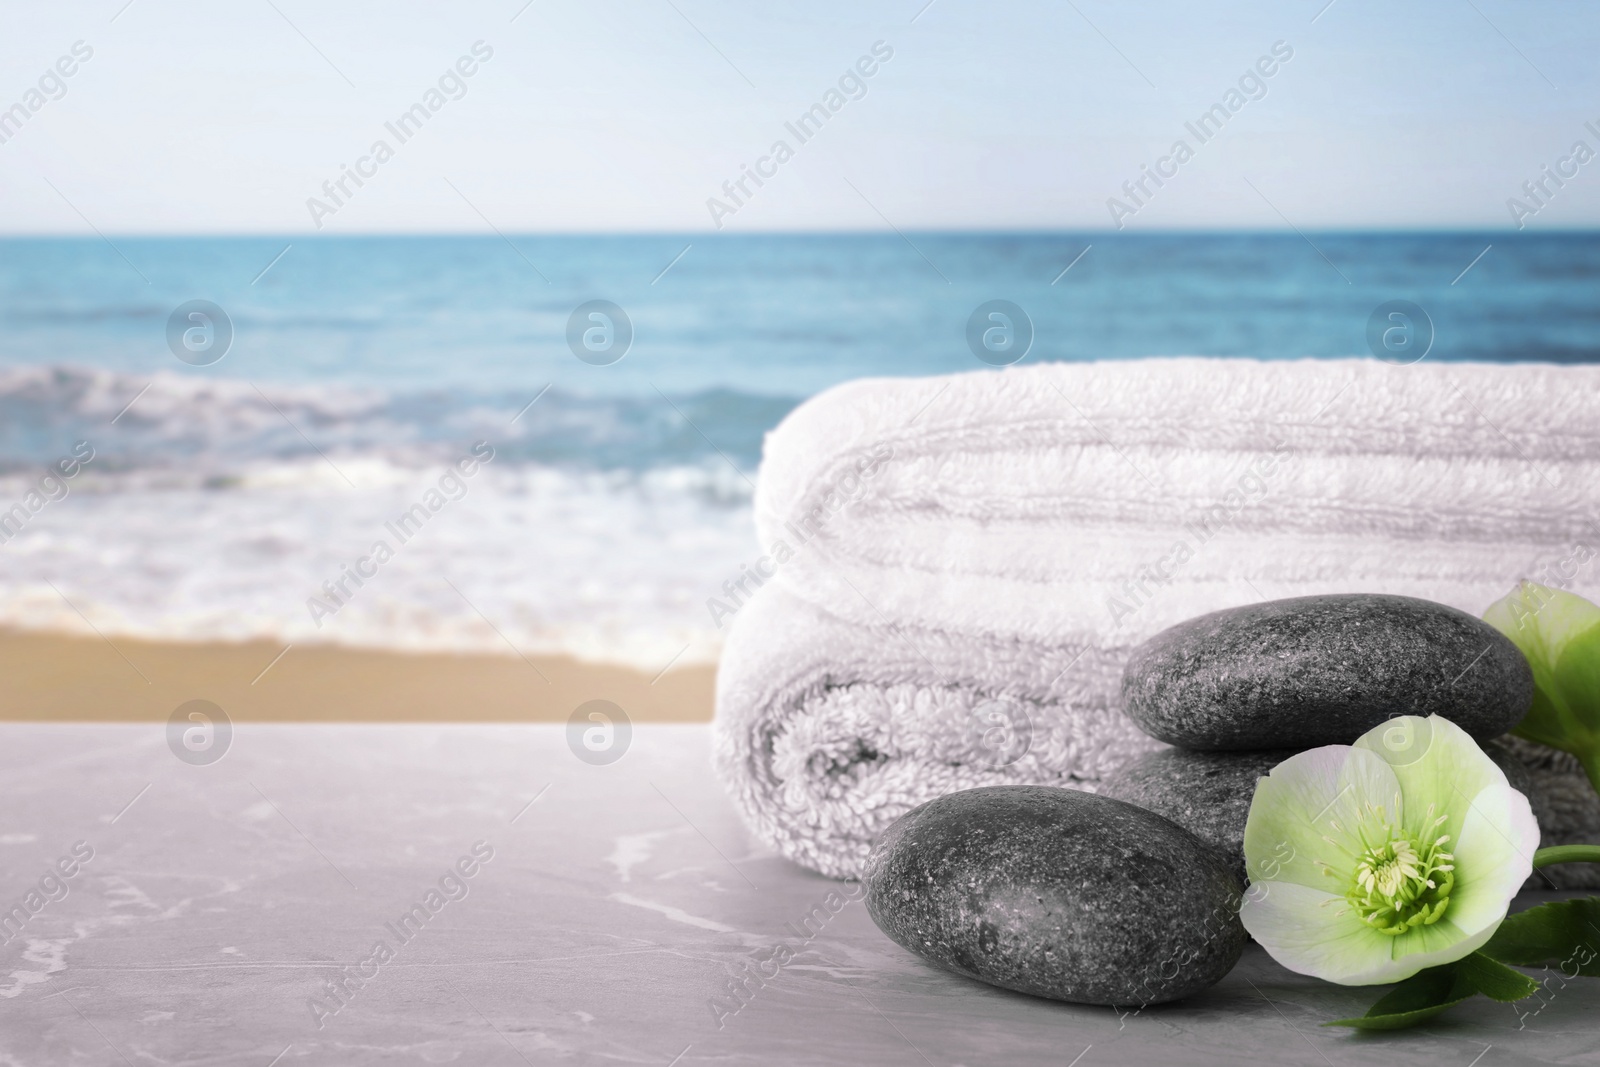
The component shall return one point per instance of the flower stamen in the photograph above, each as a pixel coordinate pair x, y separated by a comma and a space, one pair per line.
1399, 883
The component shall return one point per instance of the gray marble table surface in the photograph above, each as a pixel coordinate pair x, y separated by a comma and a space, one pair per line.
616, 910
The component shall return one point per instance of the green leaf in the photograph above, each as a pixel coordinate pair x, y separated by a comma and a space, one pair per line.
1495, 980
1559, 633
1565, 935
1427, 993
1417, 999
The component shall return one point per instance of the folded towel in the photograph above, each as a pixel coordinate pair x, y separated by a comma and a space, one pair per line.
956, 568
828, 731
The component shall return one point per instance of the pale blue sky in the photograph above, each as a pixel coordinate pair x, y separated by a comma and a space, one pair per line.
195, 117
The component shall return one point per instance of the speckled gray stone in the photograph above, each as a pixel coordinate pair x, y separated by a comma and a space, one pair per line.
1206, 793
1517, 774
1567, 807
1209, 793
1323, 670
1057, 893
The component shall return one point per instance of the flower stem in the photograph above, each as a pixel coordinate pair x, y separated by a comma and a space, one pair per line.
1566, 854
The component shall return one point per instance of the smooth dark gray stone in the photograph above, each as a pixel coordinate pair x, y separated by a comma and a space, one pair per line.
1323, 670
1209, 793
1517, 774
1057, 893
1206, 793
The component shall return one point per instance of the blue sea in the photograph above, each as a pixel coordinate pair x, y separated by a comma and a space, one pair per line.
223, 499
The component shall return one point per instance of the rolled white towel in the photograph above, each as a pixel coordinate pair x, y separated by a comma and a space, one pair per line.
828, 731
953, 561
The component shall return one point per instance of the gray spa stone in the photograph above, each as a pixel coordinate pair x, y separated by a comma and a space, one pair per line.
1206, 793
1209, 793
1517, 774
1057, 893
1323, 670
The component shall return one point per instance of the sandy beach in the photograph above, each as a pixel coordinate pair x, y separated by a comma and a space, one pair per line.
56, 677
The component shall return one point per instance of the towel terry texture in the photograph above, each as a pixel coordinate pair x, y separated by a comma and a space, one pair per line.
955, 569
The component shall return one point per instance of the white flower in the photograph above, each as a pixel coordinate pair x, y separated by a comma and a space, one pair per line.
1371, 862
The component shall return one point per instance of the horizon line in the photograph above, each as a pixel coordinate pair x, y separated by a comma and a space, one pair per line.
1104, 232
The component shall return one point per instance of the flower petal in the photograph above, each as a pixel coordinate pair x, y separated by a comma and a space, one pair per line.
1437, 763
1327, 941
1307, 810
1542, 621
1422, 947
1317, 933
1493, 857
